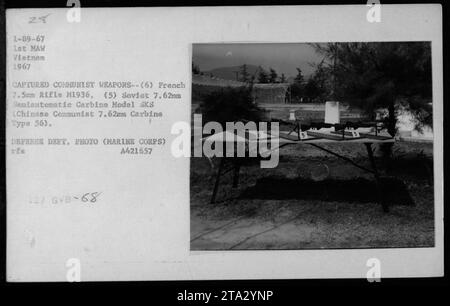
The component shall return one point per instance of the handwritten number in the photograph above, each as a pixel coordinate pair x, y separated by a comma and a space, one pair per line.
95, 196
90, 197
41, 19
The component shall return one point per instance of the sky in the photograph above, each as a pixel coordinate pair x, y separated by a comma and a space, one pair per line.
283, 57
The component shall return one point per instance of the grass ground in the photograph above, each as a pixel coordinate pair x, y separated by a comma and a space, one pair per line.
307, 214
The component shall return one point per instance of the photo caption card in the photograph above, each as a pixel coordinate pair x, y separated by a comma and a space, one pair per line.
103, 183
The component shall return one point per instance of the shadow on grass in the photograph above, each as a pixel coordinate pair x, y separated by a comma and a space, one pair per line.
359, 190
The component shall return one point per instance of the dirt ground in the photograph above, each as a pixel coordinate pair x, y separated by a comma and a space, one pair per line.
302, 205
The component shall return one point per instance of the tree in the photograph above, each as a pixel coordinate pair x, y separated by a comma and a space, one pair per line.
273, 76
299, 79
252, 80
283, 78
297, 90
244, 74
230, 105
262, 76
195, 68
381, 75
322, 83
311, 90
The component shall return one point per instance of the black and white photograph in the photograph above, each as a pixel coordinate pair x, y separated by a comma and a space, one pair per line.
354, 146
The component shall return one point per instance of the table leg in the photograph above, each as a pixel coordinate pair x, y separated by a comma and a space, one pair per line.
236, 174
216, 184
